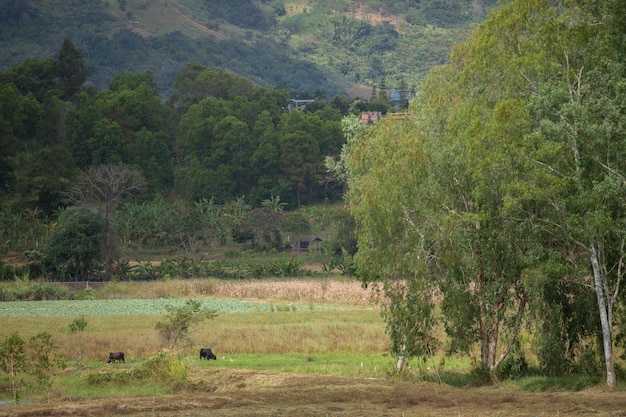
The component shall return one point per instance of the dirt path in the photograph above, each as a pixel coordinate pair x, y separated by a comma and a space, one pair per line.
193, 23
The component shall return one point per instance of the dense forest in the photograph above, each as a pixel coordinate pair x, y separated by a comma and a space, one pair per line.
218, 148
337, 47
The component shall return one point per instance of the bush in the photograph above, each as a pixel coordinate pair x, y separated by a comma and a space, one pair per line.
74, 250
178, 321
78, 325
33, 291
514, 366
480, 375
10, 272
164, 367
86, 294
287, 267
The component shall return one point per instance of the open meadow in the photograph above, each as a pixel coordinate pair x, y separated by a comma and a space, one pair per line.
300, 347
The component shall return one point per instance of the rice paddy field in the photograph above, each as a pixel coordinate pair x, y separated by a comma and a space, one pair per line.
284, 348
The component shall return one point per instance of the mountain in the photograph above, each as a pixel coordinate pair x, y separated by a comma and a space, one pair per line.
309, 46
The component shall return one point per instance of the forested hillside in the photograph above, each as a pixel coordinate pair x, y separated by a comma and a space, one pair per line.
217, 161
331, 47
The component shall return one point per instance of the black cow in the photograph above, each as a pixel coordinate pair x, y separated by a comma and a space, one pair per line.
207, 354
116, 356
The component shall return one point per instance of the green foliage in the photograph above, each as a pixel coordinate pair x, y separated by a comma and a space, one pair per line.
480, 375
78, 325
287, 267
327, 35
31, 363
179, 320
490, 198
514, 366
13, 360
31, 291
10, 272
74, 250
163, 368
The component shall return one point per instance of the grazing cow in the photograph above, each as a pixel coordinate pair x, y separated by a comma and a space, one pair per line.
207, 354
116, 356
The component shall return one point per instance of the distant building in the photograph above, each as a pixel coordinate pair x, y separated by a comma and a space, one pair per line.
302, 243
400, 98
298, 104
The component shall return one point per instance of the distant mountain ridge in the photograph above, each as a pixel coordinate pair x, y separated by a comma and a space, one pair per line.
324, 46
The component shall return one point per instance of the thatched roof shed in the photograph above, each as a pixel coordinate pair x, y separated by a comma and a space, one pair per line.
302, 243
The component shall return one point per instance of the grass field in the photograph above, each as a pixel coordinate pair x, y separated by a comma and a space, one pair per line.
284, 348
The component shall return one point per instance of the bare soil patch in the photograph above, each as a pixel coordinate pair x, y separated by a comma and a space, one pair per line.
221, 392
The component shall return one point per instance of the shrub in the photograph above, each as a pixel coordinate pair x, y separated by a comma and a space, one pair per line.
164, 367
78, 325
33, 291
10, 272
86, 294
48, 291
479, 375
514, 366
287, 267
177, 324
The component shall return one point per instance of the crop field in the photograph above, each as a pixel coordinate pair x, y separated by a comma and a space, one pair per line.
141, 307
284, 348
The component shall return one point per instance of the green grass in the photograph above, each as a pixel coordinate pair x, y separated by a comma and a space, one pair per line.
341, 363
72, 385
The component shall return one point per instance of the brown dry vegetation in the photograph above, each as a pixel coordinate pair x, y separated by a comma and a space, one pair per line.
220, 392
311, 291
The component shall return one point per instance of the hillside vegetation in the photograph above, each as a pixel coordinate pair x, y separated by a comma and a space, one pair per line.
338, 47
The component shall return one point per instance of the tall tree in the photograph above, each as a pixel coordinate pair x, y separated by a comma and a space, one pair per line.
105, 187
577, 149
74, 250
387, 168
71, 69
548, 77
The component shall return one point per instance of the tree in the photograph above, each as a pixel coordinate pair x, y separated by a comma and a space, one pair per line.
74, 249
42, 361
525, 121
264, 224
70, 69
178, 321
387, 170
577, 148
31, 362
12, 360
104, 188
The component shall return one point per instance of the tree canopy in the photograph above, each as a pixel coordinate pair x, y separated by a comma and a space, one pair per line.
518, 190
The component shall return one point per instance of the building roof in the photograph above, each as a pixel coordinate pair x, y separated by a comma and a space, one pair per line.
306, 239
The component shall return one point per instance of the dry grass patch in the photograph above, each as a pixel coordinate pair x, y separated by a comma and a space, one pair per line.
313, 291
229, 393
328, 290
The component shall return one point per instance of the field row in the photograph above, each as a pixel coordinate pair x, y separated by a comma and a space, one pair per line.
132, 307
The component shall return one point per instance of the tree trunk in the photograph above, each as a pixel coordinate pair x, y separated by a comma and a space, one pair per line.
108, 251
400, 363
604, 305
401, 356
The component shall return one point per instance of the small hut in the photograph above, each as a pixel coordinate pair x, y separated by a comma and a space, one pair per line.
303, 243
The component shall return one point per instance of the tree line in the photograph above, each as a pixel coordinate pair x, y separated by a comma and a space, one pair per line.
219, 144
500, 199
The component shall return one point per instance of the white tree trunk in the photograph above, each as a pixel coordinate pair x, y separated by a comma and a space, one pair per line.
400, 363
604, 306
